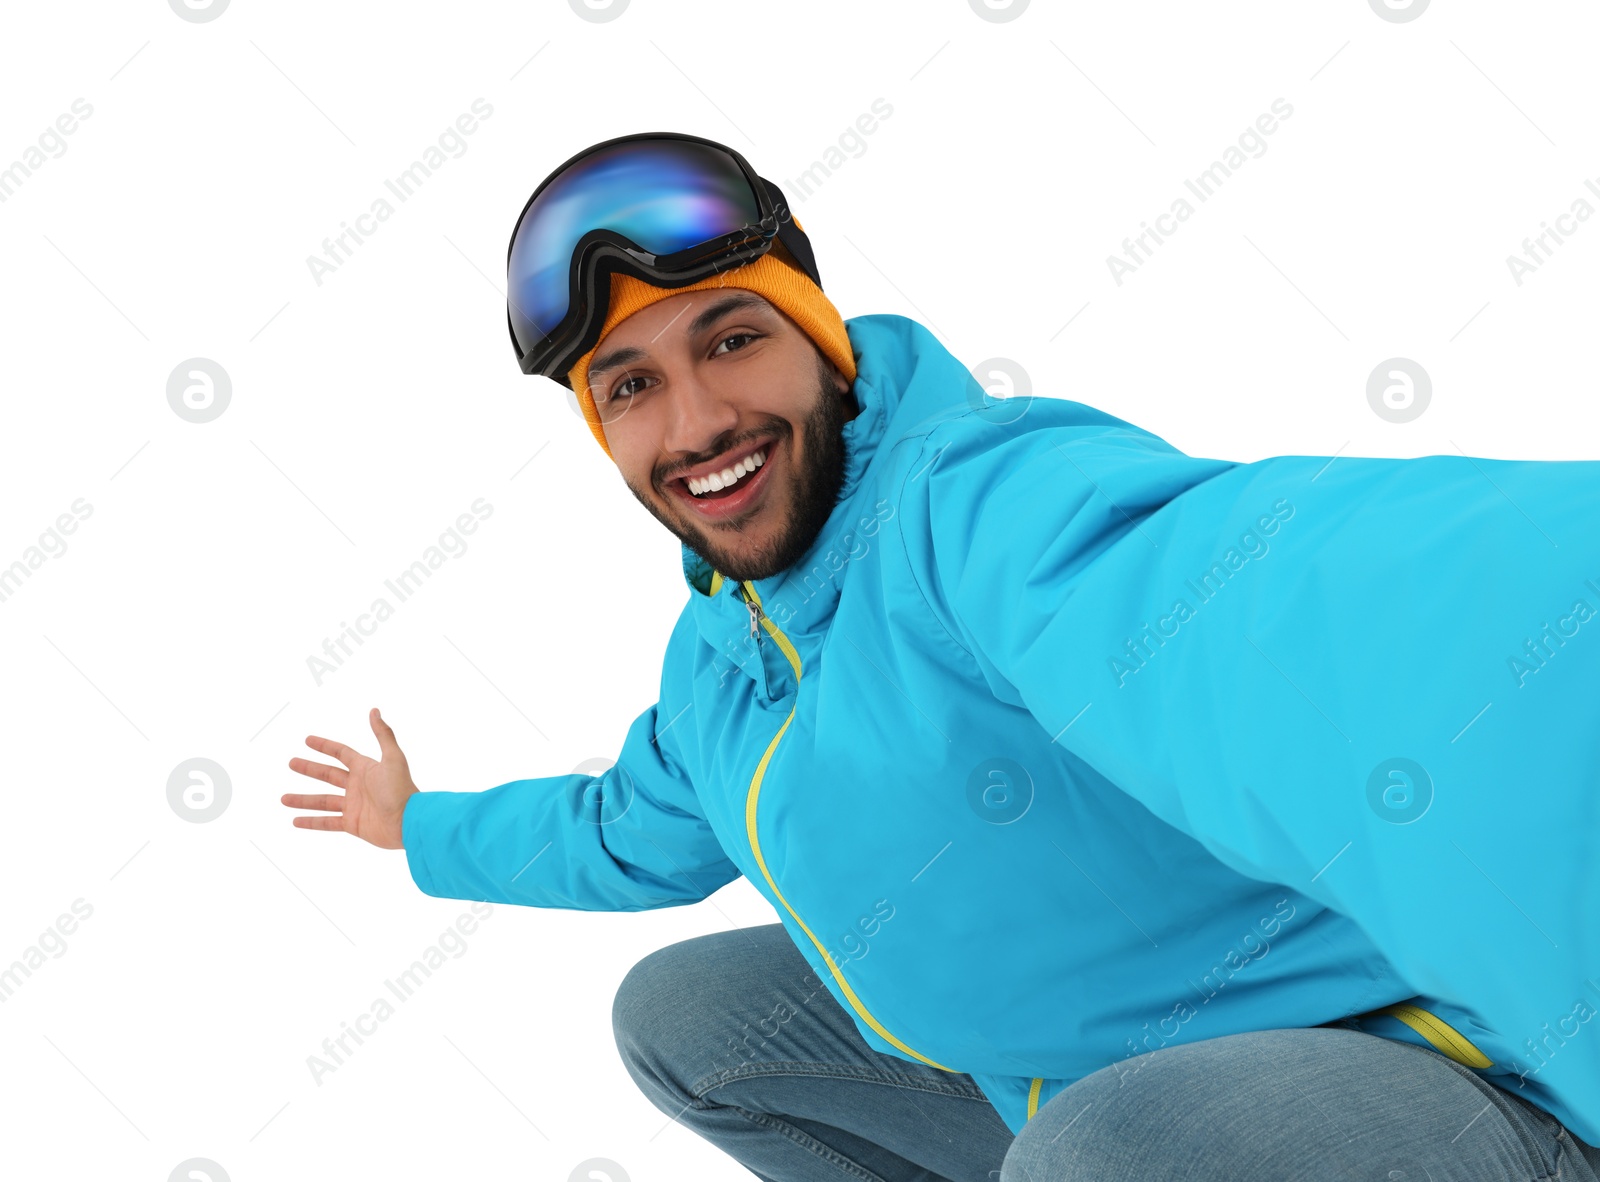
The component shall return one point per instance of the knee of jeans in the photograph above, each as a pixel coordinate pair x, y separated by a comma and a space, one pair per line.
640, 1021
1032, 1159
1088, 1138
632, 1008
1022, 1164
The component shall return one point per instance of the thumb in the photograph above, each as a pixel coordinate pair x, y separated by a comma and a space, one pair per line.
385, 733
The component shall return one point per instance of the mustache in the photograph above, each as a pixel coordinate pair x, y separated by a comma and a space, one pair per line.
776, 432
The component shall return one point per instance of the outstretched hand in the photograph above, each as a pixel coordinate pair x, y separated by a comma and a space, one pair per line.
375, 791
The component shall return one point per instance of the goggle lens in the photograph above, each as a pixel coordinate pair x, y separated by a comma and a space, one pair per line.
665, 195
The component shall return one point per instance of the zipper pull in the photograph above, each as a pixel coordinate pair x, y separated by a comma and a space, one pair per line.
755, 614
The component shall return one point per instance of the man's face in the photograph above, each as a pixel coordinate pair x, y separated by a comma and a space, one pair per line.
699, 382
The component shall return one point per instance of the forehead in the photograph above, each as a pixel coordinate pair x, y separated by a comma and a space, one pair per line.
685, 312
688, 314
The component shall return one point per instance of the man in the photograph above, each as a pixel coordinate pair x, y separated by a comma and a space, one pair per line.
1105, 795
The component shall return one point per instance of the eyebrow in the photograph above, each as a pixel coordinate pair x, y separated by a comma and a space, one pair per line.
739, 301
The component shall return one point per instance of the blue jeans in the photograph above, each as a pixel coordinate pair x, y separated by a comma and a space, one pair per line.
735, 1037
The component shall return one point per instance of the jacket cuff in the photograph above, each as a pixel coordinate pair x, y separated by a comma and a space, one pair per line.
413, 828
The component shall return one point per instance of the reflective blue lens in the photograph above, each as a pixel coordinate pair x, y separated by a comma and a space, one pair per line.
665, 195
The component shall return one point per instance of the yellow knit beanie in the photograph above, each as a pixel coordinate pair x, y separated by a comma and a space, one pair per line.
774, 276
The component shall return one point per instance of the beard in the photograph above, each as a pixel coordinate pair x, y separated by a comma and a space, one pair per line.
815, 492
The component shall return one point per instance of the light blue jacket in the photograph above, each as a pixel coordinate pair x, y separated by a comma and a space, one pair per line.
1061, 746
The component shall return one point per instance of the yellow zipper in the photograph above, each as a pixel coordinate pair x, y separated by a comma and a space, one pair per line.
1442, 1036
755, 845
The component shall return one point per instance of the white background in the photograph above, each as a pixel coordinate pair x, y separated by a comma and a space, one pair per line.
370, 410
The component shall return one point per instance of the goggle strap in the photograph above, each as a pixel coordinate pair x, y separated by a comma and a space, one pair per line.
793, 238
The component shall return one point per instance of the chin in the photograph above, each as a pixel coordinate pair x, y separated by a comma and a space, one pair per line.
738, 554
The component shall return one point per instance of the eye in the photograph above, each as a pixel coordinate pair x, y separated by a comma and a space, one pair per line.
749, 336
620, 390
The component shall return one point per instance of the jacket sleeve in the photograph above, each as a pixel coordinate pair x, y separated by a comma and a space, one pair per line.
631, 838
1374, 680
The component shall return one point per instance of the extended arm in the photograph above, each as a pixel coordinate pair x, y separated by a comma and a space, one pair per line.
629, 839
1376, 681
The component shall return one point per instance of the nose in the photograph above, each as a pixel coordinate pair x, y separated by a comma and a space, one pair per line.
698, 416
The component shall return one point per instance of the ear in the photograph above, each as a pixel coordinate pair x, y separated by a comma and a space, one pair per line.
841, 384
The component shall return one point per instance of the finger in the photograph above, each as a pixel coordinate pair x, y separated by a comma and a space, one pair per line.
328, 804
385, 733
337, 776
335, 824
345, 755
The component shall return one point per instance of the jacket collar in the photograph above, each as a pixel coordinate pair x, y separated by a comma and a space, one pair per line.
904, 377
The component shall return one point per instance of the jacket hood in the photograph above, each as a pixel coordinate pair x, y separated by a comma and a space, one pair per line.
906, 381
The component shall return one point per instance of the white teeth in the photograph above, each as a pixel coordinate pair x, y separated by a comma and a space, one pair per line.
720, 480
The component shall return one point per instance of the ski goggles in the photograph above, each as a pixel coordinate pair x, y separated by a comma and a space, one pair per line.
666, 208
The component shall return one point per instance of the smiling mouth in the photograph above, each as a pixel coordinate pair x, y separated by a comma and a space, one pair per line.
727, 476
731, 489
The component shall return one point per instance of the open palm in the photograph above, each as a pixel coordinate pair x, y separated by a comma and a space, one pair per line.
375, 791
